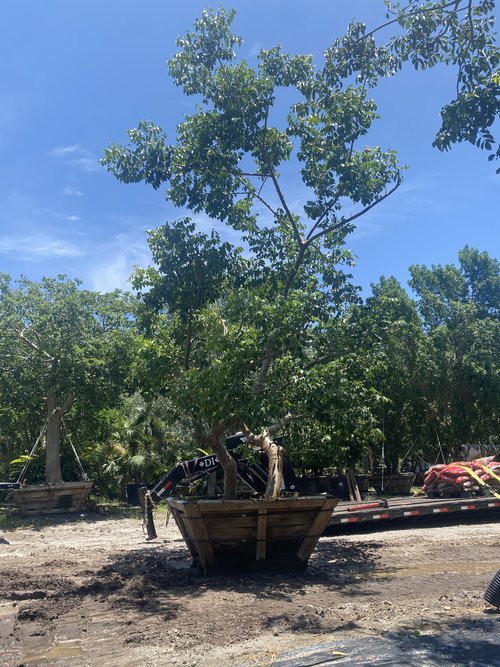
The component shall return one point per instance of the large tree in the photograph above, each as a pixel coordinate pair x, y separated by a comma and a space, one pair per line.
226, 163
64, 348
260, 326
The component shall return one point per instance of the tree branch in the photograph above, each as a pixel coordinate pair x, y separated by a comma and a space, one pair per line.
273, 451
34, 345
396, 20
323, 216
251, 190
288, 213
346, 221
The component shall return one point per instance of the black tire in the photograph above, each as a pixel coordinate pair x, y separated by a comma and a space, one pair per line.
492, 594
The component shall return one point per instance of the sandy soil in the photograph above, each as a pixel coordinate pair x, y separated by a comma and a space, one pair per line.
90, 590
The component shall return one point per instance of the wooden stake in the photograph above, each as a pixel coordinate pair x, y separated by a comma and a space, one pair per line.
354, 485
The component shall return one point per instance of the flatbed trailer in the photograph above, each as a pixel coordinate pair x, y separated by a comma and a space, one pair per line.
347, 513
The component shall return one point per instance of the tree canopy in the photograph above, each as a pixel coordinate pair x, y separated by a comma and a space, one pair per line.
254, 323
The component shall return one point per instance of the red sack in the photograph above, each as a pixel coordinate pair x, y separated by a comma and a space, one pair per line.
462, 479
477, 463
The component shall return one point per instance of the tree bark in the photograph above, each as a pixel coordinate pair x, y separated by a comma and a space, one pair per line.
215, 439
275, 467
53, 474
189, 342
274, 454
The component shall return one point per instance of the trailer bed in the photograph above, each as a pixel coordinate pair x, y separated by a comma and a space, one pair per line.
408, 508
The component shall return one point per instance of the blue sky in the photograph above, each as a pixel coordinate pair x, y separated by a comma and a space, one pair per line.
77, 74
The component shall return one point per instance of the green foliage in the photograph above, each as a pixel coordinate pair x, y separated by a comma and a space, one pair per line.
426, 34
229, 149
192, 269
460, 358
232, 336
443, 290
57, 337
146, 441
460, 34
387, 332
439, 371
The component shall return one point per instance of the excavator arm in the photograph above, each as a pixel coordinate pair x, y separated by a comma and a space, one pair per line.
254, 475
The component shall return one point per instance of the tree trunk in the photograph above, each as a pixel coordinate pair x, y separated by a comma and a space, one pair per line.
274, 454
53, 474
216, 441
275, 467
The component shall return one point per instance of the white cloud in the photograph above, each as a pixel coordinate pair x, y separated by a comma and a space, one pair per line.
73, 218
37, 247
86, 163
205, 224
78, 156
111, 275
117, 260
62, 151
72, 192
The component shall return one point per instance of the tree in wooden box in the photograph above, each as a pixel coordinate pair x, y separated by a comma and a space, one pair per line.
248, 333
66, 355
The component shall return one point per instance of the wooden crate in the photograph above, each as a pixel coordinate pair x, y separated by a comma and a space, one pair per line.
224, 535
399, 484
51, 498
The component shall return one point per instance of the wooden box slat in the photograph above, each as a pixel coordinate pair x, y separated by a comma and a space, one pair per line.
51, 498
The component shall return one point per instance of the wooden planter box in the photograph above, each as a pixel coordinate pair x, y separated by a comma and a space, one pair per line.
52, 498
224, 535
400, 484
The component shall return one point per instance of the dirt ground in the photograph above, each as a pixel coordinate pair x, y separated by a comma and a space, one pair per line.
90, 590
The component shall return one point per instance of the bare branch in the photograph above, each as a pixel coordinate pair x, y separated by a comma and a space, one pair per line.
289, 215
346, 221
34, 345
251, 190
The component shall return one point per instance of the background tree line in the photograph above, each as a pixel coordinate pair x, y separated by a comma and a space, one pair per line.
417, 373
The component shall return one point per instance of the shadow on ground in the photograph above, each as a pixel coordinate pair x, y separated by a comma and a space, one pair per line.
143, 578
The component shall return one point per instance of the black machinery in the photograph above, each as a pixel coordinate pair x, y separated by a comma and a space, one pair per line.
186, 473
